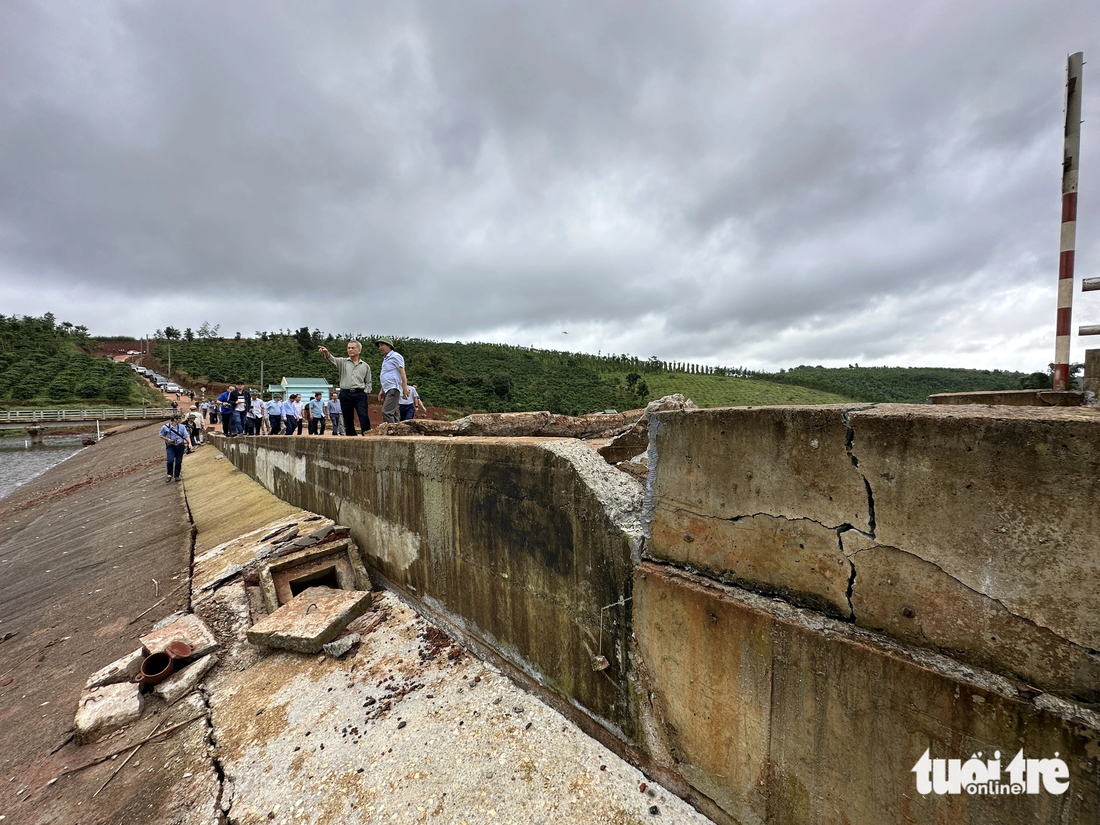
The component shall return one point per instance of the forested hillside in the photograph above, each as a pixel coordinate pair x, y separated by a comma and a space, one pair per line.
910, 385
43, 362
498, 377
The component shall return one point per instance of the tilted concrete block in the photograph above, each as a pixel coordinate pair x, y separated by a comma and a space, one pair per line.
311, 619
188, 628
183, 681
120, 670
105, 709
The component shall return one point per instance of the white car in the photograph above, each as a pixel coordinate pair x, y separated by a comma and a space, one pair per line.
173, 387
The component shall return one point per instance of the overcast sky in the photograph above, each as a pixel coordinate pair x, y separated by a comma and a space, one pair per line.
735, 183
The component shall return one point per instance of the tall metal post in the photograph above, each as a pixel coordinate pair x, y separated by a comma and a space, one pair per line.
1070, 168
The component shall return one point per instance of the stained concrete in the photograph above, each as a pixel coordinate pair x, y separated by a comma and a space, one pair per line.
530, 541
310, 620
781, 715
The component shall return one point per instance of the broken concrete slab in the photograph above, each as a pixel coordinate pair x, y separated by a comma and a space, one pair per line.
311, 619
341, 646
339, 560
182, 682
105, 709
190, 629
120, 670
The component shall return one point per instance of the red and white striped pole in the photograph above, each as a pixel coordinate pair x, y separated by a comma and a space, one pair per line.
1070, 167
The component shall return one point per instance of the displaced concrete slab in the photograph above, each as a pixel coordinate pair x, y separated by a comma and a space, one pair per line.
105, 709
120, 670
182, 682
341, 558
311, 619
190, 629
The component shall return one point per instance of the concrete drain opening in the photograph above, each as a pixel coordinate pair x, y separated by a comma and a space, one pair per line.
336, 565
321, 578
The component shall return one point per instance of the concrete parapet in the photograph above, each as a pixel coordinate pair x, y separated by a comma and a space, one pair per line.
781, 715
527, 544
966, 530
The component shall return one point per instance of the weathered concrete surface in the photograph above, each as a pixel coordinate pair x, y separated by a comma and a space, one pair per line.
310, 620
797, 559
519, 424
80, 547
786, 462
409, 728
915, 601
999, 499
781, 715
105, 709
992, 500
1012, 398
522, 542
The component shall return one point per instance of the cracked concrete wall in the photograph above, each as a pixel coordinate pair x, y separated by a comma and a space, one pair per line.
966, 530
782, 715
525, 544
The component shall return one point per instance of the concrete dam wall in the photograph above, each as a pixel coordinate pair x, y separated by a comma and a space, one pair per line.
798, 615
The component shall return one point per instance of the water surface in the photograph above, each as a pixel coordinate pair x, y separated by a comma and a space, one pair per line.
20, 460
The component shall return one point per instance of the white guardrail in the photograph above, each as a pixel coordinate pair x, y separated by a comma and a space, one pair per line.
30, 416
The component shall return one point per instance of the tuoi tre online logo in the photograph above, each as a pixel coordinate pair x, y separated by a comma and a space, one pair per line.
975, 777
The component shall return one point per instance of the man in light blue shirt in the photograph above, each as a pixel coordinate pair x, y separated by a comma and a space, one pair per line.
274, 410
290, 414
393, 381
316, 415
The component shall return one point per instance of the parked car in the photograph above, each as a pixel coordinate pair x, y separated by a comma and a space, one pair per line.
172, 386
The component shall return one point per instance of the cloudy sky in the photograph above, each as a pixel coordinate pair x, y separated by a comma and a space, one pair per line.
736, 183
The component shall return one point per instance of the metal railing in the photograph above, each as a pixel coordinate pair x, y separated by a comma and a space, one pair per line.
30, 416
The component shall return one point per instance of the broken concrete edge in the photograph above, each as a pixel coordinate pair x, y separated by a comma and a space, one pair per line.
286, 523
528, 679
620, 493
123, 669
185, 680
947, 666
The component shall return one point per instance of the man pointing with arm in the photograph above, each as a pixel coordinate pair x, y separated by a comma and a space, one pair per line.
355, 385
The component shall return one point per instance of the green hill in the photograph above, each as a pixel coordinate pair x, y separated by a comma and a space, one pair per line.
43, 363
490, 377
911, 385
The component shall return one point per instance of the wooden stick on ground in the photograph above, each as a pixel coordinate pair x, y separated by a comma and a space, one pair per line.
148, 738
123, 765
166, 595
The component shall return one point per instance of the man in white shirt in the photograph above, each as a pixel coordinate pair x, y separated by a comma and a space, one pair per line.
393, 380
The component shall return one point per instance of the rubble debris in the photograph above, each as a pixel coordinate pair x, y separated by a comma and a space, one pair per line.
311, 619
183, 681
520, 424
105, 709
341, 646
120, 670
189, 629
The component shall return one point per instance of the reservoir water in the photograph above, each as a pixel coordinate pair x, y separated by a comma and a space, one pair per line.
20, 461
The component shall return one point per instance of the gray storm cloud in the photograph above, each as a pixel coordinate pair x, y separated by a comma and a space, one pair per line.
751, 184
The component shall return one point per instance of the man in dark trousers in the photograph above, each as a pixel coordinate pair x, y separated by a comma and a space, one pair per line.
355, 386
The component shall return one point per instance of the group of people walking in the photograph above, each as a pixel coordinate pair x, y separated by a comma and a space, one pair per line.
241, 412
